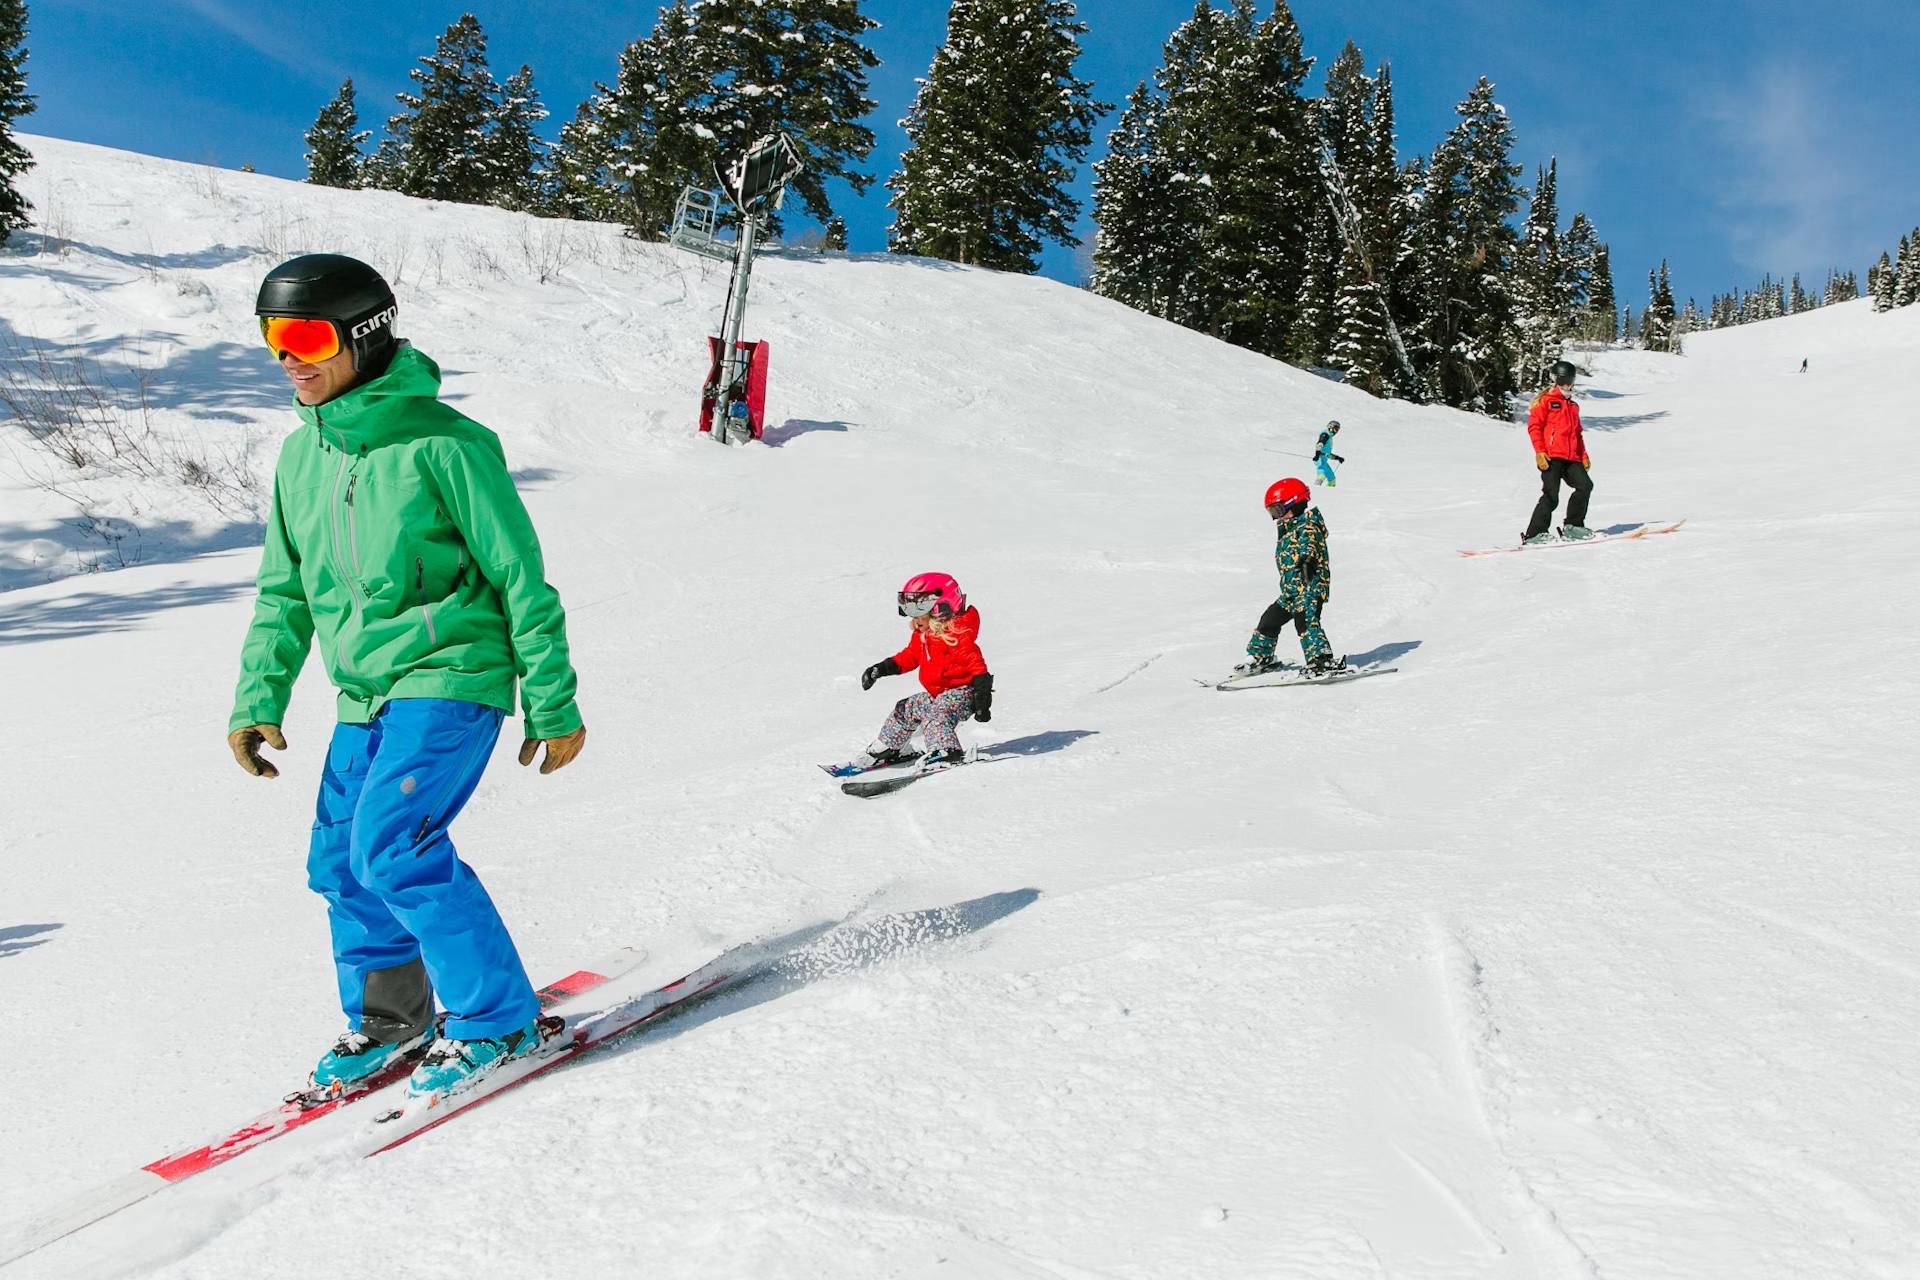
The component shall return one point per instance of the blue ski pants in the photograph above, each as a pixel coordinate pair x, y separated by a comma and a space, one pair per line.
1324, 465
396, 889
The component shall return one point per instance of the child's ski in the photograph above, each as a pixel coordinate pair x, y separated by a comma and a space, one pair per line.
299, 1109
867, 788
1642, 531
1284, 677
850, 769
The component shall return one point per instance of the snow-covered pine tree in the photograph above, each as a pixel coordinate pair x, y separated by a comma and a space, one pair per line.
514, 153
15, 102
1361, 348
1880, 283
1798, 299
1906, 271
333, 143
796, 65
1629, 327
437, 146
994, 137
1254, 257
1842, 286
1135, 259
1343, 129
651, 130
1465, 248
580, 180
1657, 322
1542, 291
1603, 316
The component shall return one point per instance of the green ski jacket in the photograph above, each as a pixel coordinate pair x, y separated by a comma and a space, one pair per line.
396, 536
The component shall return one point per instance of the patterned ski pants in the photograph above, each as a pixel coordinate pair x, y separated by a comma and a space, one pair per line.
935, 719
1306, 622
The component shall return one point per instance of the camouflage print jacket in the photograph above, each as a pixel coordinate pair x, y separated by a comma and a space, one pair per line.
1306, 574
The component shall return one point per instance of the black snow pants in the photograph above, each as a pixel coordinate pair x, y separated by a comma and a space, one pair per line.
1577, 479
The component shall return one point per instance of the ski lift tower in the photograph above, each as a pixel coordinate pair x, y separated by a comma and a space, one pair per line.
733, 402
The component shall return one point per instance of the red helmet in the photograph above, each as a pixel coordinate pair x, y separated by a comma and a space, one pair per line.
1287, 497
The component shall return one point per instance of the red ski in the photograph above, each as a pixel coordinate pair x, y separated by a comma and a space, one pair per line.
298, 1110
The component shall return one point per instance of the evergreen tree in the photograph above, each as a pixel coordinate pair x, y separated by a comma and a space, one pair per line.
1601, 303
1906, 271
333, 143
1880, 284
1543, 293
653, 122
1657, 322
1135, 258
1465, 248
1361, 348
15, 102
795, 65
994, 137
437, 147
514, 154
581, 182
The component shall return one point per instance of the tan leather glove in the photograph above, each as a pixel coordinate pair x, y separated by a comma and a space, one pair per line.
1540, 461
246, 748
560, 751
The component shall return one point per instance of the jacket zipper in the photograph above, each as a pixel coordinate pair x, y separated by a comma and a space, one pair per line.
420, 587
353, 539
339, 561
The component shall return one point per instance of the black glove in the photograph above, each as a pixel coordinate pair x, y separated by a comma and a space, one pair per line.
1310, 567
1316, 455
1338, 458
982, 687
886, 668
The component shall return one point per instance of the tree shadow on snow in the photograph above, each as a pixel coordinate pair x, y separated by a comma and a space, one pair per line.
17, 938
47, 551
1037, 744
1623, 421
793, 428
211, 383
1383, 653
780, 966
88, 613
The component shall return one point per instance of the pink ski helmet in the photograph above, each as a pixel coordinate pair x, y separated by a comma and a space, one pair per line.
932, 593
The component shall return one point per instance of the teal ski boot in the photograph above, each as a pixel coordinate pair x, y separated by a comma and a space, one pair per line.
354, 1057
453, 1065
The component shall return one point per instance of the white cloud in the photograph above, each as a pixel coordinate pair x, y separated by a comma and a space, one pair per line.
294, 51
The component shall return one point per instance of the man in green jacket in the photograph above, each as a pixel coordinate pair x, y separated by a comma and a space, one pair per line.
397, 539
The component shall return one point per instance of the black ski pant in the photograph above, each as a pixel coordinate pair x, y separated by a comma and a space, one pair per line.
1577, 479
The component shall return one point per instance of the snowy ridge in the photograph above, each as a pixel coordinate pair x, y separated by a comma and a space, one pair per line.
1583, 945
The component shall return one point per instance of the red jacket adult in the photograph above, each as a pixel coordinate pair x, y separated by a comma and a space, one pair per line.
944, 666
1554, 426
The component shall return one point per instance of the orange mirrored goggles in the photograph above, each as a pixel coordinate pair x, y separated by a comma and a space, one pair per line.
308, 341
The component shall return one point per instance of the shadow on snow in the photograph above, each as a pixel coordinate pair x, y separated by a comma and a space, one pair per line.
793, 428
88, 613
783, 965
17, 938
1381, 654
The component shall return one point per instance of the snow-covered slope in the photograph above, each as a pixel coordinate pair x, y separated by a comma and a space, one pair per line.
1583, 945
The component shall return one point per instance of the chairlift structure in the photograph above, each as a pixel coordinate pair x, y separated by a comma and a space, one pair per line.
733, 401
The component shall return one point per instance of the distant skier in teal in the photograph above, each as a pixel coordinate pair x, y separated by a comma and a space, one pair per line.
1324, 457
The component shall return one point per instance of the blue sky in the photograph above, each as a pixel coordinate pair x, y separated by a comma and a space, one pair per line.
1731, 137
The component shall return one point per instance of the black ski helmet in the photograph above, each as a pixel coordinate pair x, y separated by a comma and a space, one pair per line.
1334, 425
1563, 372
332, 286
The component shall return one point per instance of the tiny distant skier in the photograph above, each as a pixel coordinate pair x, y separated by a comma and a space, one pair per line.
945, 649
1324, 457
397, 540
1560, 451
1306, 580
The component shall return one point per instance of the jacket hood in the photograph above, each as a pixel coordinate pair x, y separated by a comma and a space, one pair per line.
375, 412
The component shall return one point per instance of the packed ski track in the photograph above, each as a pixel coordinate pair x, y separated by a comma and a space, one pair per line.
1583, 945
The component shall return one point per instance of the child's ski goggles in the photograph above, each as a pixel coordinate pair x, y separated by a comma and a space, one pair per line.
1285, 510
308, 341
918, 604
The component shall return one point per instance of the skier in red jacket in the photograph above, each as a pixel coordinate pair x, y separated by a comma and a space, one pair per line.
945, 651
1560, 451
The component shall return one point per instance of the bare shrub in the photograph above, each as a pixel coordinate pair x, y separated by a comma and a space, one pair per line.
546, 247
90, 426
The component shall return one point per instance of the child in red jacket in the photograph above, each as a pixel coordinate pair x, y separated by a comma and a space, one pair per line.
945, 651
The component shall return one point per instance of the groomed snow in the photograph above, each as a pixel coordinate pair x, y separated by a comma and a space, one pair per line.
1584, 945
